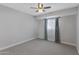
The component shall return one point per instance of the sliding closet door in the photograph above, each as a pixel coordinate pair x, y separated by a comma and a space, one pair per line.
51, 29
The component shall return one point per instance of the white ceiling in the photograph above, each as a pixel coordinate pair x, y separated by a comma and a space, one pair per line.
25, 7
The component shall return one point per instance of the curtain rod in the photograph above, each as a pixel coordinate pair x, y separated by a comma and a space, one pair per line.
53, 18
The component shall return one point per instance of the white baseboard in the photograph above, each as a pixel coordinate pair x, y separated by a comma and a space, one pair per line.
17, 43
68, 43
77, 50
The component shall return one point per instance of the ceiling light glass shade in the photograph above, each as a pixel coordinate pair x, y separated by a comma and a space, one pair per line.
40, 10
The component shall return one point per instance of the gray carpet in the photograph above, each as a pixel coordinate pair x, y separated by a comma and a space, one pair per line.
40, 47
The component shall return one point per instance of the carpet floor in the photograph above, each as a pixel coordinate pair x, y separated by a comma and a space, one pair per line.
40, 47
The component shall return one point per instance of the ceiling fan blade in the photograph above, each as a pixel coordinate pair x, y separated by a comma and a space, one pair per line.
33, 7
38, 10
47, 7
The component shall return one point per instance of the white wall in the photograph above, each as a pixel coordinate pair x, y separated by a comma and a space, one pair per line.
68, 33
78, 29
41, 29
15, 26
67, 25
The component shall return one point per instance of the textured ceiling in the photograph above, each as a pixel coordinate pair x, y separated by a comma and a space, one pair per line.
25, 7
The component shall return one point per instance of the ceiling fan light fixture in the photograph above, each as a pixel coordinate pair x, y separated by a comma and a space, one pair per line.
40, 7
40, 10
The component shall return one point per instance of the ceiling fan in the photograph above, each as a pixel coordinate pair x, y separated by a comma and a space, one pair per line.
40, 7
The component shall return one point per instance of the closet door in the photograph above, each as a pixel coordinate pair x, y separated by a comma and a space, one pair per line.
51, 29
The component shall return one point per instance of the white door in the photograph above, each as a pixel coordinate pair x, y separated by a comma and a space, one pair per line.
51, 29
